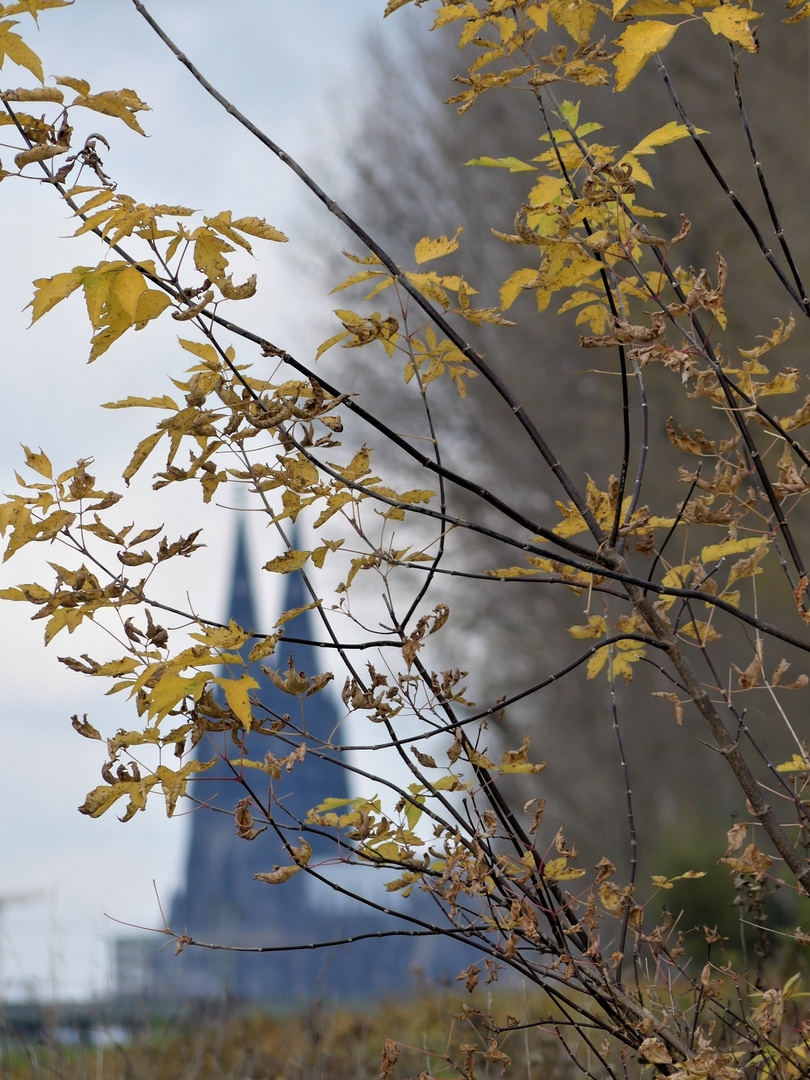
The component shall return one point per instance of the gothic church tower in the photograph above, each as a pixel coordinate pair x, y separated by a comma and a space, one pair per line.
222, 903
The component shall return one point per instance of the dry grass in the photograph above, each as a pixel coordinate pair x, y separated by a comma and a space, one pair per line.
433, 1033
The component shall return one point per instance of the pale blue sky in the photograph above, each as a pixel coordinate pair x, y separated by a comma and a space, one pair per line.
298, 70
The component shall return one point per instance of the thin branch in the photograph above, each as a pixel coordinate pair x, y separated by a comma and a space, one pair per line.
777, 226
735, 201
475, 358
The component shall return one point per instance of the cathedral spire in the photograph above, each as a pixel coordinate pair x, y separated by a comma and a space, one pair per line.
221, 901
241, 605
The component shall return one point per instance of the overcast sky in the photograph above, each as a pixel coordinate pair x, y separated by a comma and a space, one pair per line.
299, 71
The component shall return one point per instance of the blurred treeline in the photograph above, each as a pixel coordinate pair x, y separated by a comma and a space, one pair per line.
406, 180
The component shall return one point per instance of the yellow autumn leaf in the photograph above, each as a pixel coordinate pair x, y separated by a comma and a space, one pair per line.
51, 291
513, 286
142, 452
548, 189
446, 15
538, 15
231, 636
428, 249
575, 16
333, 504
388, 850
171, 690
781, 334
277, 876
597, 662
52, 525
513, 164
150, 304
57, 622
265, 647
164, 402
357, 279
701, 631
325, 345
613, 898
13, 47
39, 152
796, 764
204, 351
800, 16
123, 104
559, 870
663, 136
293, 612
637, 44
627, 654
288, 562
100, 799
209, 257
256, 226
595, 628
786, 382
662, 882
238, 292
572, 522
114, 668
358, 466
38, 462
713, 552
320, 553
517, 761
733, 23
174, 783
127, 287
749, 566
237, 694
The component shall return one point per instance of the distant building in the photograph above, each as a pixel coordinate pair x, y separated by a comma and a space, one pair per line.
221, 903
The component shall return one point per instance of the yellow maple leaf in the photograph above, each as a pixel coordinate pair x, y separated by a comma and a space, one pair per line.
122, 104
663, 136
637, 44
428, 249
733, 23
558, 870
237, 694
209, 253
288, 562
595, 628
51, 291
513, 286
13, 47
713, 552
231, 636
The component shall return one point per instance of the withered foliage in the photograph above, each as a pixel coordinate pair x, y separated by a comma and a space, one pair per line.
657, 585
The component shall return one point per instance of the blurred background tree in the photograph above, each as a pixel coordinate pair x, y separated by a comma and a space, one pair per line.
406, 179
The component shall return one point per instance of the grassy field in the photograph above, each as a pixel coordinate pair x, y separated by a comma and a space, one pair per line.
435, 1034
